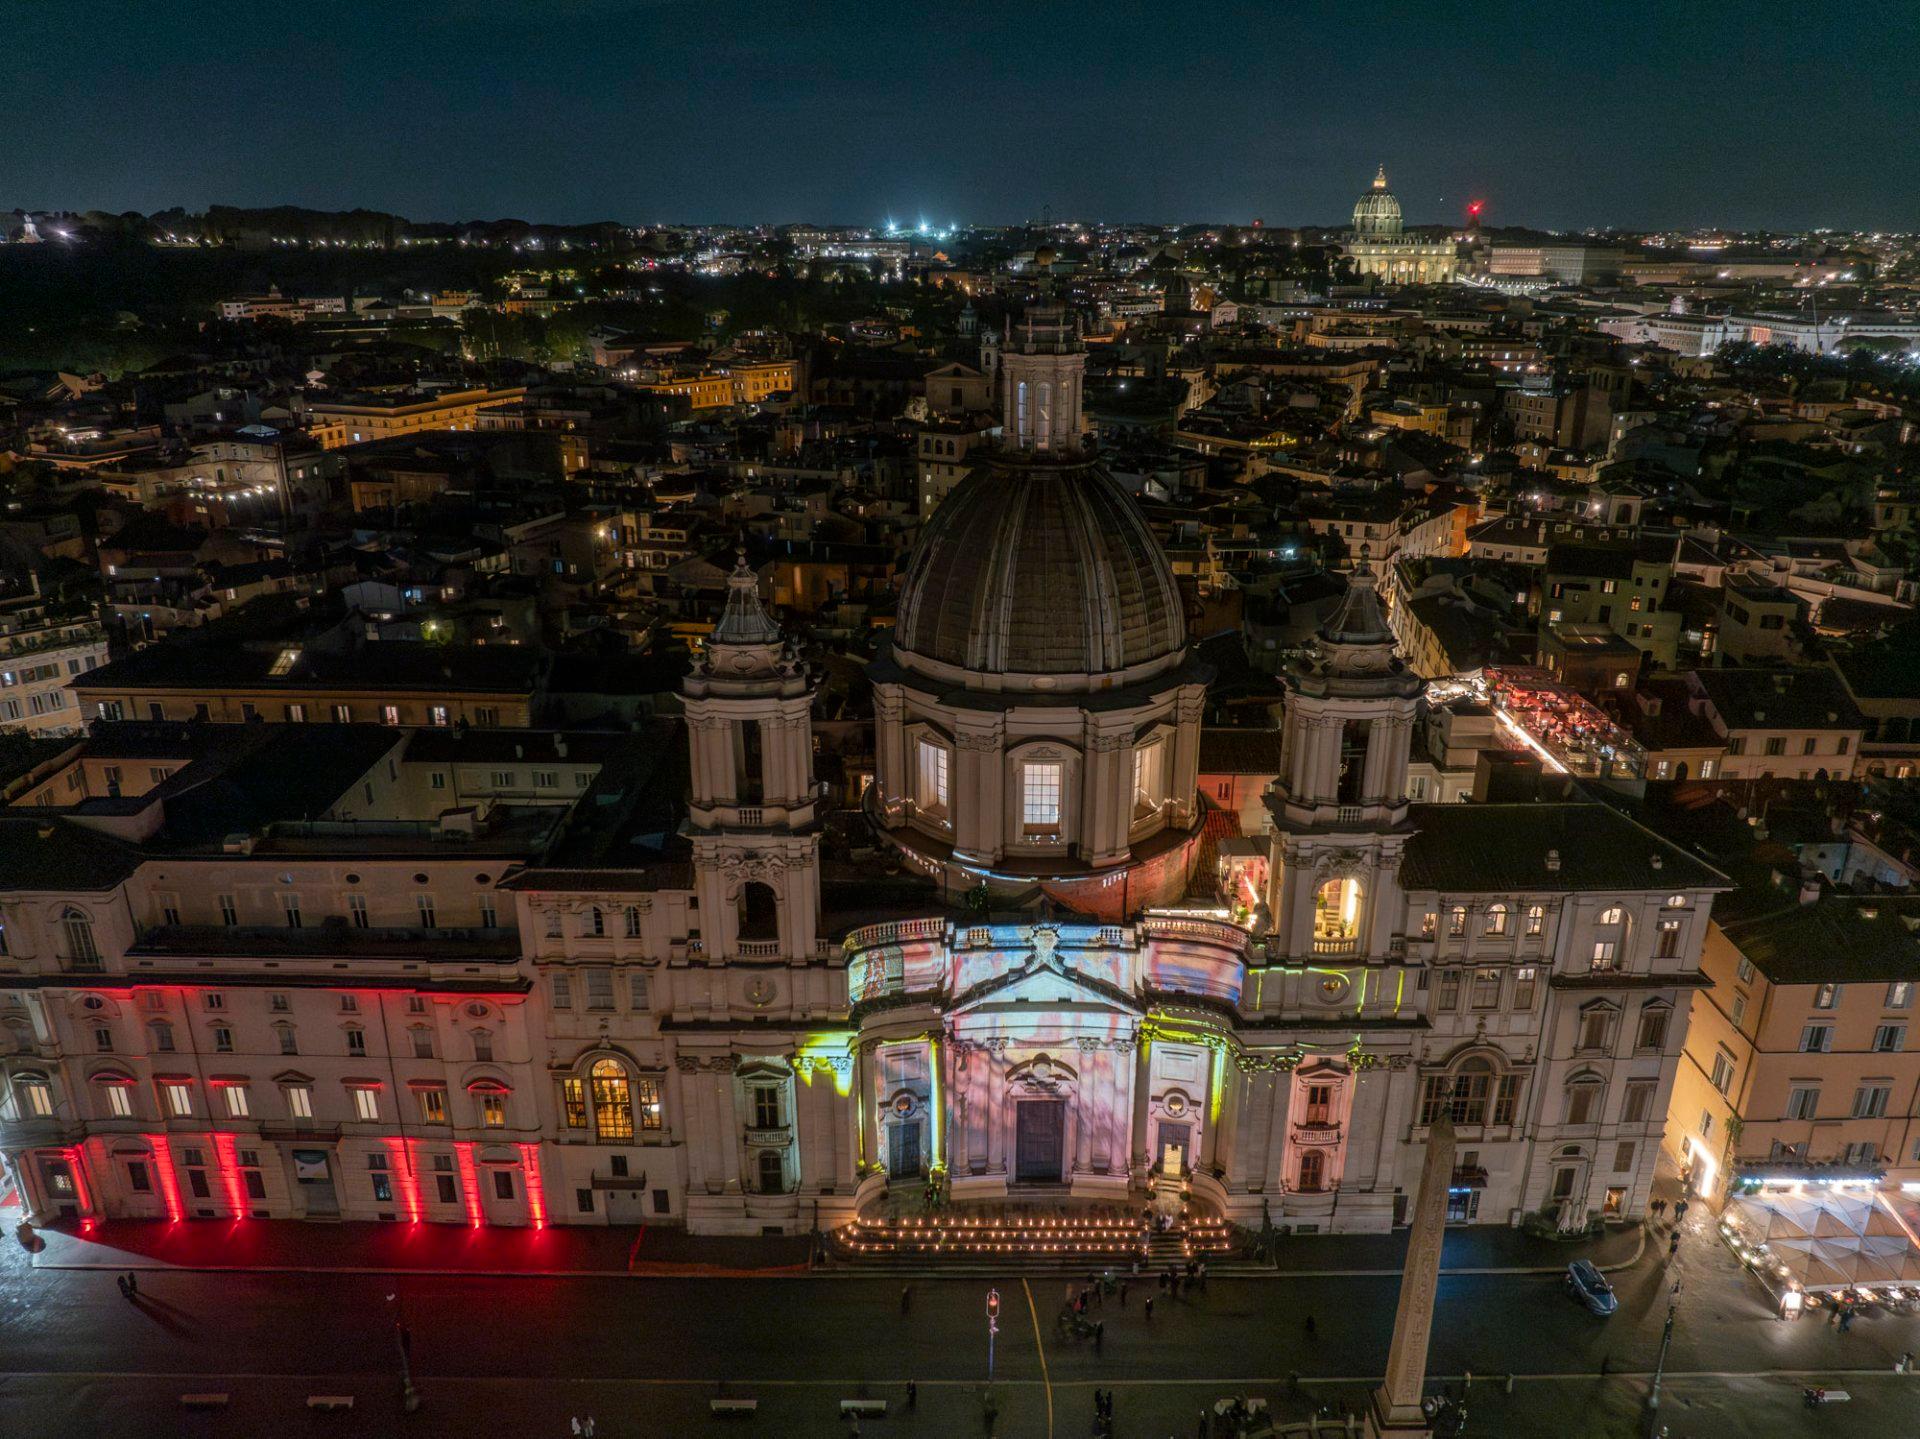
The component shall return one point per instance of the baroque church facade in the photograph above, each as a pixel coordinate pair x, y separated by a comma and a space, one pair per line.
683, 1035
1523, 969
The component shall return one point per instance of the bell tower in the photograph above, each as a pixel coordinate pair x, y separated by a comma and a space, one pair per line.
1340, 804
754, 803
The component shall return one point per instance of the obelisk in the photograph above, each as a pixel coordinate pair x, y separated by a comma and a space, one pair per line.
1395, 1412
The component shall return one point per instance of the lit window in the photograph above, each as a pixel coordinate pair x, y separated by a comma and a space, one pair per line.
933, 793
119, 1101
493, 1111
284, 662
299, 1101
237, 1103
612, 1102
179, 1100
366, 1104
1536, 919
1040, 798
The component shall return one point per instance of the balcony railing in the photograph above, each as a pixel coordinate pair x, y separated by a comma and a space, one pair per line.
1336, 946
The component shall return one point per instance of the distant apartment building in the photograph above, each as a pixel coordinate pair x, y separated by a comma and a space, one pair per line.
358, 419
40, 657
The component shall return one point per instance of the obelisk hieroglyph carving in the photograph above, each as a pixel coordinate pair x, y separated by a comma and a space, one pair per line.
1396, 1410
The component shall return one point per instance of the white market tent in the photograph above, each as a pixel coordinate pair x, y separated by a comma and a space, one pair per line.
1824, 1241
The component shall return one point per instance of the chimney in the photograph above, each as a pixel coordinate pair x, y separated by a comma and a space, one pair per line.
560, 746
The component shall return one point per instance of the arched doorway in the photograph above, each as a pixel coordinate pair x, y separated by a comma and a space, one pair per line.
759, 911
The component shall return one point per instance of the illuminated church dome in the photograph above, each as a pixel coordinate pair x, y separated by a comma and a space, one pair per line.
1377, 212
1043, 569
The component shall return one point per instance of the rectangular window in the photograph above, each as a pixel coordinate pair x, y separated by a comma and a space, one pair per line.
599, 989
1486, 989
237, 1102
1457, 921
489, 916
1736, 746
1636, 1101
546, 779
633, 922
1449, 997
222, 1039
1623, 1157
1722, 1073
1803, 1102
356, 1041
1604, 953
573, 1102
493, 1111
423, 903
357, 907
1669, 945
503, 1184
1041, 796
766, 1106
1523, 983
647, 1096
1890, 1038
179, 1100
1816, 1039
1595, 1030
502, 779
639, 991
1506, 1099
1826, 996
1899, 994
119, 1101
1536, 920
433, 1105
1776, 744
1739, 1008
422, 1043
290, 908
229, 911
448, 1191
1582, 1101
1653, 1029
1870, 1101
299, 1101
366, 1104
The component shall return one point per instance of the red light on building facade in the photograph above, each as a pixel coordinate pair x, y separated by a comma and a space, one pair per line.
536, 1188
229, 1161
164, 1176
470, 1183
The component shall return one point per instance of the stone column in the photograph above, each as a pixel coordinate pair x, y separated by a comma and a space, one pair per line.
1395, 1410
1185, 770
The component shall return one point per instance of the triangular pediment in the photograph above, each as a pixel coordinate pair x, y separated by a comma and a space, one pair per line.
1050, 983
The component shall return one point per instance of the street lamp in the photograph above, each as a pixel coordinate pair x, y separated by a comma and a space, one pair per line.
1660, 1366
403, 1340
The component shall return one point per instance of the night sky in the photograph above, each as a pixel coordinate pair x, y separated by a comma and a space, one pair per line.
1677, 113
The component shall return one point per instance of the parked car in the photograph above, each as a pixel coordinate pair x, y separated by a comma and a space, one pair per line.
1590, 1287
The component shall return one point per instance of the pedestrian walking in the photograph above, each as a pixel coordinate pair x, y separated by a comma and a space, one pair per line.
1673, 1244
1163, 1281
121, 1280
1149, 1309
1202, 1430
1846, 1321
1679, 1211
133, 1285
